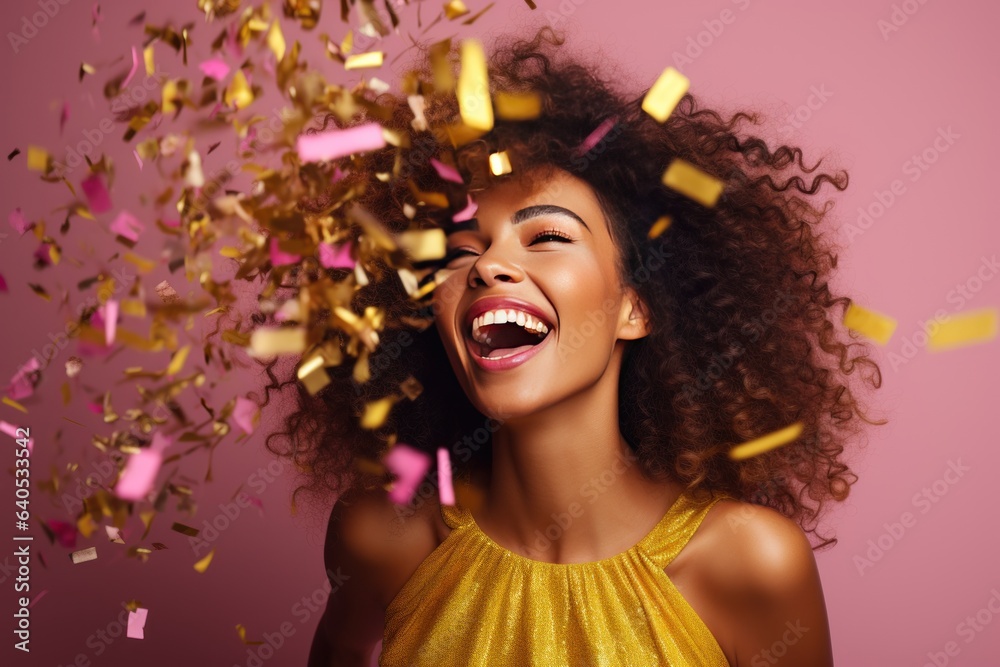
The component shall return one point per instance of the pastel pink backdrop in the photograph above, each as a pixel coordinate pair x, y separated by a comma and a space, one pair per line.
829, 78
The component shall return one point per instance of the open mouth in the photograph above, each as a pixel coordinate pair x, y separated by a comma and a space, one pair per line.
500, 334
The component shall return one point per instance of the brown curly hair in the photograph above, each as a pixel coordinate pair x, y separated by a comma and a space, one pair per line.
746, 337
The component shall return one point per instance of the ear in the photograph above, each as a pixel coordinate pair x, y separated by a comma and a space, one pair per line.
634, 321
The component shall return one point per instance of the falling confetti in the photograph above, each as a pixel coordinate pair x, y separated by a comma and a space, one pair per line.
766, 443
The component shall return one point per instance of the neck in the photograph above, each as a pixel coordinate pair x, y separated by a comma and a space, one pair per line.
565, 485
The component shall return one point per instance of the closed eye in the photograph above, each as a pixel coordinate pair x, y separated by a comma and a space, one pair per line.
548, 235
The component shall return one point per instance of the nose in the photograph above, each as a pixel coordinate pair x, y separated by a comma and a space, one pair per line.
492, 267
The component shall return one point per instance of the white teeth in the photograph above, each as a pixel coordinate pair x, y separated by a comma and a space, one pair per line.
509, 316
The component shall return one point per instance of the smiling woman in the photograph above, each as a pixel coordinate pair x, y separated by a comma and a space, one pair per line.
599, 517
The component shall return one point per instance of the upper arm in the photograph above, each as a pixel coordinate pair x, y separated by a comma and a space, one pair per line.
772, 589
371, 551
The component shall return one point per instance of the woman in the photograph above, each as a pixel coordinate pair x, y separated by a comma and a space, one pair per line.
589, 378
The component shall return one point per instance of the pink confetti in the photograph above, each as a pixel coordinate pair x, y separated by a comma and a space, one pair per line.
97, 195
445, 489
42, 254
595, 136
37, 598
140, 471
279, 257
338, 174
63, 116
3, 284
22, 386
17, 221
65, 533
96, 408
447, 172
138, 159
338, 143
245, 414
11, 430
216, 68
135, 67
258, 503
110, 315
466, 213
136, 623
336, 259
127, 226
409, 465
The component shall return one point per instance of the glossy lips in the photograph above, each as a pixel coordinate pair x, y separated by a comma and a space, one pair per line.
503, 303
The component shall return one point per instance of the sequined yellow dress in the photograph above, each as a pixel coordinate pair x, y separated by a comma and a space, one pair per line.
474, 603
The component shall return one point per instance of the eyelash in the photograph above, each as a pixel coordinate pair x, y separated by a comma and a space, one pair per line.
548, 232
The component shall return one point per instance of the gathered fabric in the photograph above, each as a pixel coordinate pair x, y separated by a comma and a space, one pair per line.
474, 603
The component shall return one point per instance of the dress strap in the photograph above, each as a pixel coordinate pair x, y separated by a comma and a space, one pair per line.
455, 515
676, 527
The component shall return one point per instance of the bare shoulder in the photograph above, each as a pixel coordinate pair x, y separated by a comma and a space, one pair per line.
381, 541
760, 586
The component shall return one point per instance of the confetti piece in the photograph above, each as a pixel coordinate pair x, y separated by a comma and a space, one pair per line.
177, 361
97, 195
280, 257
127, 226
595, 137
466, 213
242, 632
215, 68
246, 414
185, 530
313, 374
239, 94
3, 284
134, 69
688, 180
22, 384
454, 9
37, 598
335, 259
276, 41
110, 315
664, 95
659, 227
147, 57
63, 116
445, 489
167, 294
473, 88
17, 221
38, 158
875, 326
517, 106
13, 154
270, 342
84, 555
203, 564
140, 470
376, 412
63, 532
409, 465
423, 244
338, 143
7, 400
11, 430
114, 535
766, 443
364, 60
417, 103
500, 163
978, 326
136, 623
446, 171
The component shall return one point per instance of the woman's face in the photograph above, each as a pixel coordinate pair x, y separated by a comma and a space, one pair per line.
539, 247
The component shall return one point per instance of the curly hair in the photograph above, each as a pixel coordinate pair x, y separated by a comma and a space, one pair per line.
746, 333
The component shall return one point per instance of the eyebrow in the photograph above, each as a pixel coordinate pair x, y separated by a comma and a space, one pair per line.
525, 214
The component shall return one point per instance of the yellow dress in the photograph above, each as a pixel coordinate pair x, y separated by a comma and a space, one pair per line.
473, 603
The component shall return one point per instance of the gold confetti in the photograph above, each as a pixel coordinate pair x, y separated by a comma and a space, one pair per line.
664, 95
518, 106
185, 530
313, 374
686, 179
83, 555
454, 9
147, 57
500, 163
270, 342
876, 326
473, 88
978, 326
38, 158
423, 244
659, 227
363, 60
177, 362
238, 94
766, 443
242, 631
14, 404
276, 41
376, 412
203, 564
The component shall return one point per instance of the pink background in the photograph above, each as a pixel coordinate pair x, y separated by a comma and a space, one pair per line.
884, 99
